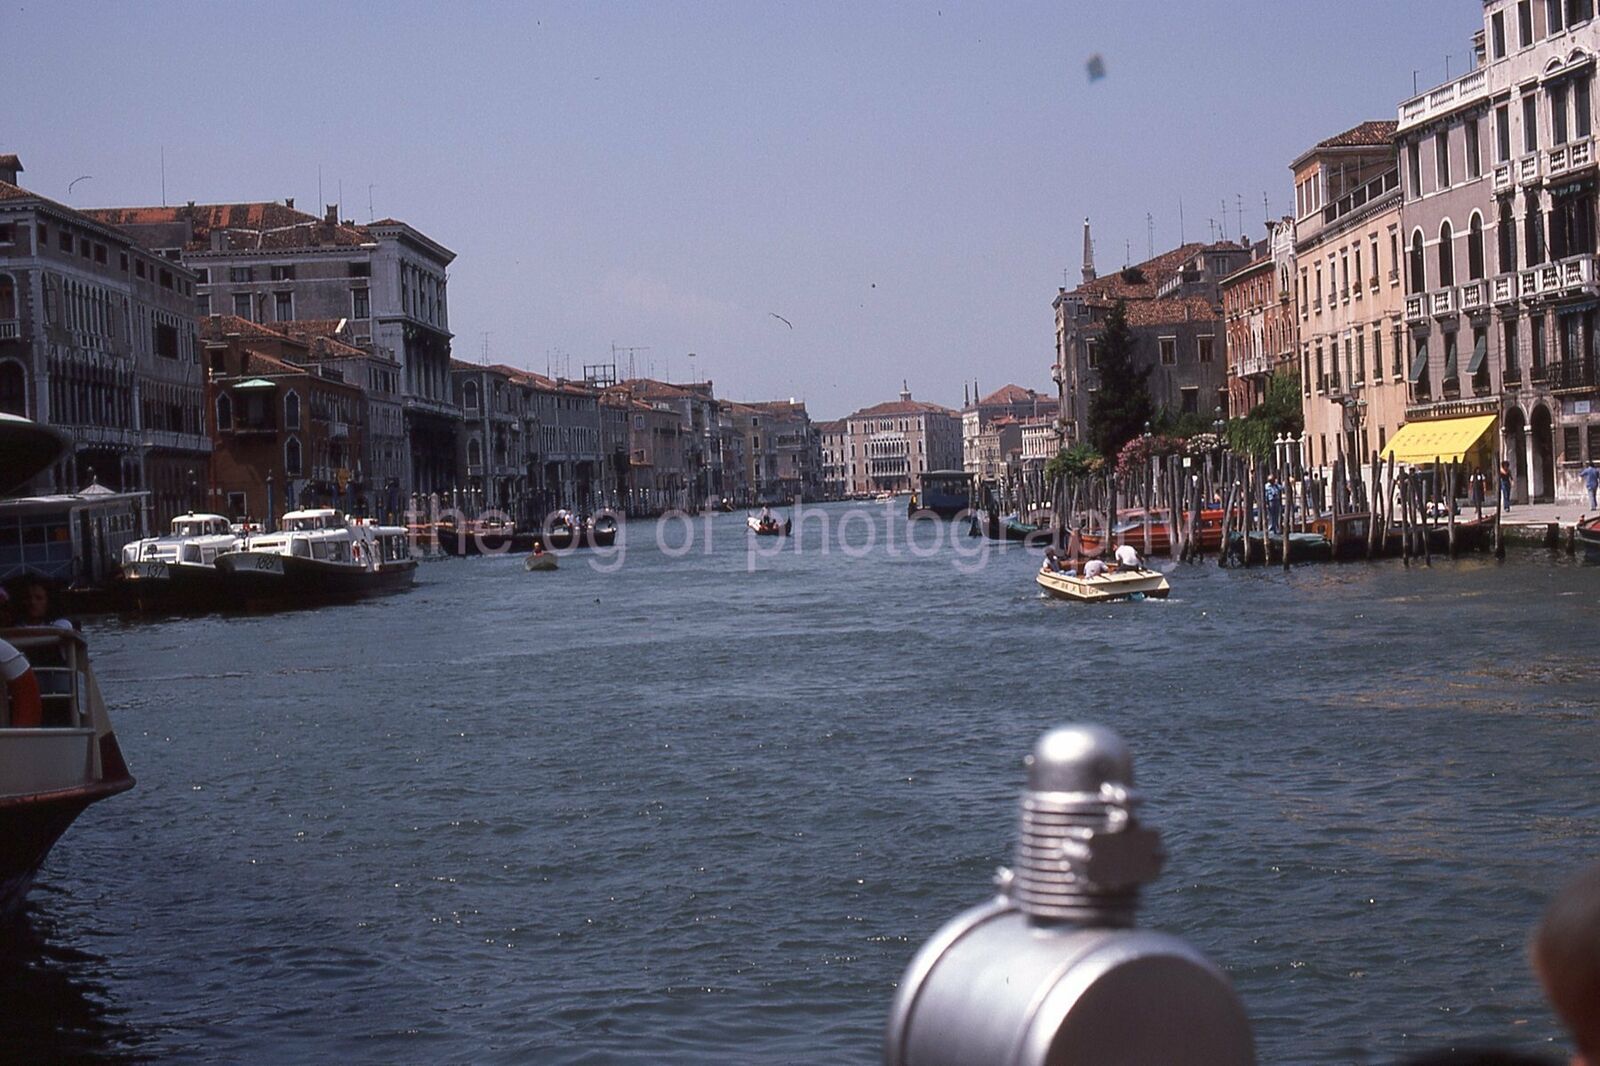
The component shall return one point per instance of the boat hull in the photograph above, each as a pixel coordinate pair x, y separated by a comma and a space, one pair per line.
1107, 588
30, 827
1588, 536
260, 579
174, 587
1130, 530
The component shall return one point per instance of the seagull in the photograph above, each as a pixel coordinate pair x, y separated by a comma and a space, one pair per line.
780, 318
75, 181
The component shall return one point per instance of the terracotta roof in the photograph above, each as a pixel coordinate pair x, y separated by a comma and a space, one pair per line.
257, 364
1009, 394
1141, 280
1171, 311
244, 227
902, 407
836, 425
1373, 134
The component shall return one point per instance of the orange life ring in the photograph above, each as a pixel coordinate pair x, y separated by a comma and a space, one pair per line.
22, 689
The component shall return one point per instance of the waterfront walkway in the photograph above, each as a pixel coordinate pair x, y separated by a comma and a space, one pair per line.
1532, 522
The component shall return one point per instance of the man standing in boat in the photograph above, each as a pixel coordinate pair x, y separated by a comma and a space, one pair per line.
1128, 558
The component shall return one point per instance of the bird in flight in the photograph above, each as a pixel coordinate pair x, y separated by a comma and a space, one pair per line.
780, 318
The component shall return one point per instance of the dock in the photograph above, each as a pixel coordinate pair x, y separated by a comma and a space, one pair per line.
1549, 525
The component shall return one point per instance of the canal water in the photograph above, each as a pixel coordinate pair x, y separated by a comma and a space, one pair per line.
703, 807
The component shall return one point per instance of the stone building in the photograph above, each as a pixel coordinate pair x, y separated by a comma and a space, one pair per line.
492, 459
892, 444
702, 448
1173, 306
287, 431
781, 453
978, 417
271, 263
1259, 317
1348, 293
834, 440
1499, 175
98, 338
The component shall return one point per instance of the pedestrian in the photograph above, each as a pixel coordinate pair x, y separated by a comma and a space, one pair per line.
1476, 484
1566, 956
1505, 484
1274, 495
1591, 481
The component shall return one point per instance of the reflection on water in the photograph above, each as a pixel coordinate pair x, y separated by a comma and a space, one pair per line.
704, 808
57, 1006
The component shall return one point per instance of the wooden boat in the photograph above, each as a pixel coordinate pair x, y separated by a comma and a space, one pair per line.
1104, 588
1014, 530
767, 526
1130, 530
482, 537
1588, 535
539, 561
564, 532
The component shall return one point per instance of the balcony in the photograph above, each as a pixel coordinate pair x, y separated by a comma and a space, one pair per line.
1574, 375
1528, 284
1504, 289
1566, 158
1416, 308
1528, 169
338, 429
10, 329
1251, 365
1473, 295
1503, 177
1442, 302
1444, 98
1576, 273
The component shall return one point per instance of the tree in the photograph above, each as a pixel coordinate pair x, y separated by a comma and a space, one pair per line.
1278, 413
1121, 406
1075, 461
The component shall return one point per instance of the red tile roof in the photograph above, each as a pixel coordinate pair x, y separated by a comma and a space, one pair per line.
1172, 311
1373, 134
1009, 394
243, 227
902, 407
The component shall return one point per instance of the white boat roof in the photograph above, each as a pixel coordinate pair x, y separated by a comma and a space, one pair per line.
311, 512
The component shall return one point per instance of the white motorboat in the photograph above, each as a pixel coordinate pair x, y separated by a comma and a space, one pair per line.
179, 570
319, 556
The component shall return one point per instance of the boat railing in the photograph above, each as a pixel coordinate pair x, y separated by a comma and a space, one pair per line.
60, 752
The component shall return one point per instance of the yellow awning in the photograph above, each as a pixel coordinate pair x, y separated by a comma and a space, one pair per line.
1445, 439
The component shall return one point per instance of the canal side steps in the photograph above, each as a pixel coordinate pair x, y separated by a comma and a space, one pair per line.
1052, 968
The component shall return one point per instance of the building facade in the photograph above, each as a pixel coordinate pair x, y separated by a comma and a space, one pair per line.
1259, 317
98, 339
980, 445
834, 439
892, 444
1348, 295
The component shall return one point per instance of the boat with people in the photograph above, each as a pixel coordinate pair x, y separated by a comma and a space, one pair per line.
179, 570
564, 530
766, 524
539, 560
1090, 584
319, 555
58, 753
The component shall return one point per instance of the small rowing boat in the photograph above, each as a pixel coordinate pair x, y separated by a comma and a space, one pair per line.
538, 561
1104, 588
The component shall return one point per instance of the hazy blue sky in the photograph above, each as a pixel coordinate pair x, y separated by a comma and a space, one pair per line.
903, 182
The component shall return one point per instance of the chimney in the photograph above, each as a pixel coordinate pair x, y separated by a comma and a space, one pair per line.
905, 391
288, 201
10, 167
331, 214
1088, 254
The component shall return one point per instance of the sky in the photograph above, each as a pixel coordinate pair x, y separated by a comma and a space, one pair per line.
904, 183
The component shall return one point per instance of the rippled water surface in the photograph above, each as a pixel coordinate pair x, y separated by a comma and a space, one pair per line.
687, 812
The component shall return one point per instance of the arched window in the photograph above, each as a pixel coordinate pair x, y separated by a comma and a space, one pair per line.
1447, 254
469, 396
1475, 247
13, 388
224, 411
291, 456
474, 452
1506, 231
1416, 280
291, 411
8, 298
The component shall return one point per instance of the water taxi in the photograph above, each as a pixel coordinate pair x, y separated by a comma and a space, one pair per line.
319, 556
944, 492
1103, 588
179, 570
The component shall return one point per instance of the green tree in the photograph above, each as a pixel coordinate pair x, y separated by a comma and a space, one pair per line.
1075, 461
1121, 406
1278, 413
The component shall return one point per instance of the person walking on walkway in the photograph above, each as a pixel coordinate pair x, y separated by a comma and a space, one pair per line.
1476, 484
1591, 481
1505, 484
1274, 497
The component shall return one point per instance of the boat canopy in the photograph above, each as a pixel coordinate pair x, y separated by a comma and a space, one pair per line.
1446, 439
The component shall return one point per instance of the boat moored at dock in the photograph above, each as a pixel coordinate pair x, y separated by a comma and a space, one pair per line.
319, 556
178, 570
945, 493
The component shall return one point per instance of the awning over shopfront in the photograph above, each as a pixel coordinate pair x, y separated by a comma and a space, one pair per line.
1446, 439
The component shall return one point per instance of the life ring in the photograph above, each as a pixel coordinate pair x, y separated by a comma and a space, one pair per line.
22, 688
355, 551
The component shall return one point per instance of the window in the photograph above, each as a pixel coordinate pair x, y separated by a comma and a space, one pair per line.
1441, 159
474, 452
1533, 229
138, 268
1579, 11
1359, 363
1581, 119
469, 395
283, 306
1414, 169
202, 304
1502, 133
64, 241
1169, 351
1377, 353
166, 278
1512, 371
1552, 16
1191, 399
1558, 114
13, 388
1474, 153
1344, 275
1450, 356
1318, 301
360, 304
100, 254
1416, 282
83, 247
1475, 247
1497, 32
165, 340
1205, 349
1594, 440
204, 275
360, 270
291, 410
237, 274
1530, 123
283, 272
1569, 444
1506, 232
291, 458
241, 304
1397, 352
1536, 348
224, 412
1524, 23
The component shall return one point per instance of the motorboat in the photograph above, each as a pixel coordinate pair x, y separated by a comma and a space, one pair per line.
539, 561
319, 556
178, 570
1119, 584
1130, 525
564, 530
1588, 535
766, 525
58, 753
